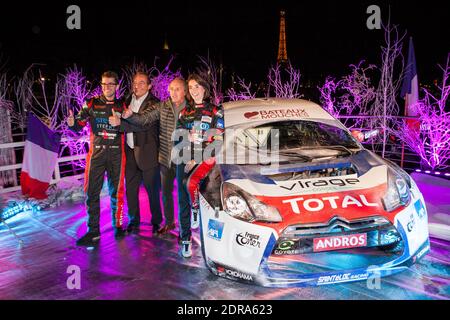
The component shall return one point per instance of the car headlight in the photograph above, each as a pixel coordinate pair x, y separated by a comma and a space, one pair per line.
241, 205
398, 193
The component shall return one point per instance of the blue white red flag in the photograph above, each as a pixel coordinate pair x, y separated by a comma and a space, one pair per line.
39, 159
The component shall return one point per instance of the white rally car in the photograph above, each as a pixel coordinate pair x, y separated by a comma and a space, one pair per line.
301, 202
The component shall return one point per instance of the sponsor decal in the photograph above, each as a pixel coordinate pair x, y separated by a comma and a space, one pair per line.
422, 252
287, 247
248, 240
335, 202
250, 115
342, 277
340, 242
233, 273
411, 223
215, 229
277, 114
106, 135
320, 183
239, 275
220, 124
206, 119
205, 203
420, 209
201, 126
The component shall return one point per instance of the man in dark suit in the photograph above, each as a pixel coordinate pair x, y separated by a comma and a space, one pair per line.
141, 150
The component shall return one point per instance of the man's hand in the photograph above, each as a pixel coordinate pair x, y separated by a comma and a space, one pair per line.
114, 121
189, 166
127, 113
70, 119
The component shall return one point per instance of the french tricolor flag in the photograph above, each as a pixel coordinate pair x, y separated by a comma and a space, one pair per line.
39, 159
410, 87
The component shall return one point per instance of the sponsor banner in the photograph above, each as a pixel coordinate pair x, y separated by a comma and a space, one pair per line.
340, 242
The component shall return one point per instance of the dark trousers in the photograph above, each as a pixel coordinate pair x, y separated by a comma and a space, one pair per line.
184, 208
167, 181
134, 176
101, 159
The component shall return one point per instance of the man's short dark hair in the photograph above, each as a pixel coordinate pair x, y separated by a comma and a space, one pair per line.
141, 73
111, 74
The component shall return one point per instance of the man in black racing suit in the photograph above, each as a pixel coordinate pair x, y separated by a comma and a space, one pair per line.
106, 153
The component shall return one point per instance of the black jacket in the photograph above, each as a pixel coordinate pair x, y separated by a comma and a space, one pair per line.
146, 139
96, 111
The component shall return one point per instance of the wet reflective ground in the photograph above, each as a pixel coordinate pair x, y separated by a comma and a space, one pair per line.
144, 266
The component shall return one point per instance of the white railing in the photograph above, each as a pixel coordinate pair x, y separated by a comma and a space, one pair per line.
57, 172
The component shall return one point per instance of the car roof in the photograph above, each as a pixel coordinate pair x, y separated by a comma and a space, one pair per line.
272, 109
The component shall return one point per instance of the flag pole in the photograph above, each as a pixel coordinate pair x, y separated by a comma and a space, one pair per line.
403, 141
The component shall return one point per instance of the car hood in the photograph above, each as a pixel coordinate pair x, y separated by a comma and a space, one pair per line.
350, 188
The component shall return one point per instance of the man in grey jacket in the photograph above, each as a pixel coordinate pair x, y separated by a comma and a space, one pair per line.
168, 116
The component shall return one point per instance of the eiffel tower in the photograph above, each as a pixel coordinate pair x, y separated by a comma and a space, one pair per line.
282, 52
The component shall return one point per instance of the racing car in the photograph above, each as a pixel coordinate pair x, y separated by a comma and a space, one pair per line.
303, 203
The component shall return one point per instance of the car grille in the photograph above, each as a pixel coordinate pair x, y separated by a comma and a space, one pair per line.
299, 239
336, 224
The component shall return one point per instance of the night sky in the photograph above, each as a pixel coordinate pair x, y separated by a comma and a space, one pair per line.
323, 37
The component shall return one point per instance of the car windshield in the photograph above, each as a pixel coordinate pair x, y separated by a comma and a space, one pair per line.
304, 140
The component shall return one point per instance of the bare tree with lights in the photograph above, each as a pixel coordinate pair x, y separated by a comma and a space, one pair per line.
385, 107
75, 89
7, 156
243, 93
209, 71
281, 88
161, 79
353, 94
23, 98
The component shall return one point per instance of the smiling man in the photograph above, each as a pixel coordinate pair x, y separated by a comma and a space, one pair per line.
106, 154
142, 154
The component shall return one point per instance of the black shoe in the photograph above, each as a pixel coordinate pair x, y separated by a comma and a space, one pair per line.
155, 228
167, 228
89, 239
119, 233
131, 228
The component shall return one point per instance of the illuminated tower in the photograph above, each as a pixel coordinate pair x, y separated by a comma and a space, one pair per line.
166, 43
282, 52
